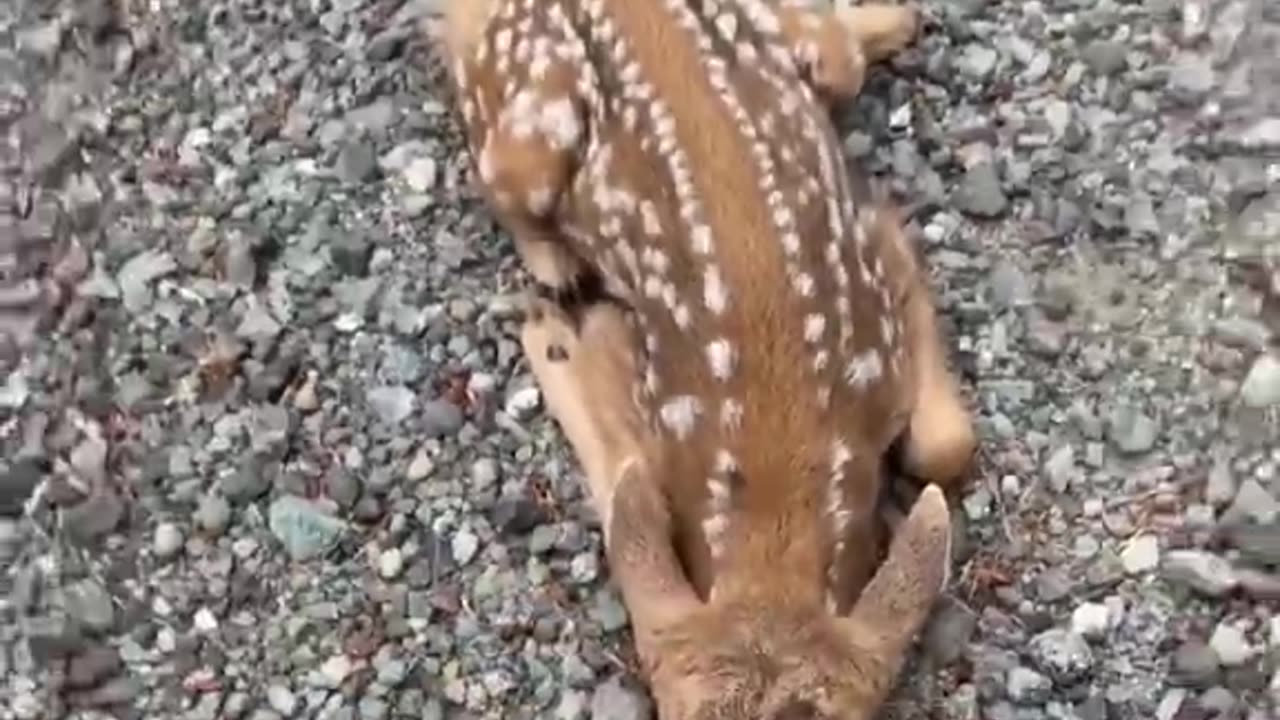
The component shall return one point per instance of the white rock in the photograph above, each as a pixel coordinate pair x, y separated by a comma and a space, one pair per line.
420, 174
1092, 620
1142, 554
281, 699
335, 670
1171, 703
167, 541
1230, 644
390, 563
421, 467
464, 546
523, 402
205, 621
1261, 387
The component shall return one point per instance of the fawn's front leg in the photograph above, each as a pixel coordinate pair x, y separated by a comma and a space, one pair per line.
524, 120
837, 44
585, 368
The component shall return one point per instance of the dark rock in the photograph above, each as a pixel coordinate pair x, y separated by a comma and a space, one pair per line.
1194, 664
517, 515
51, 637
980, 194
18, 482
92, 666
95, 518
351, 253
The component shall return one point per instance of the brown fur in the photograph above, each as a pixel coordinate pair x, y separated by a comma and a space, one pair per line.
719, 641
727, 660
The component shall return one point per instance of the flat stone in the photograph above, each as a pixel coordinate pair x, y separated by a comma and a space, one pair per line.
1141, 554
89, 604
1132, 431
1230, 645
980, 194
304, 529
1027, 687
1203, 572
1195, 664
1261, 387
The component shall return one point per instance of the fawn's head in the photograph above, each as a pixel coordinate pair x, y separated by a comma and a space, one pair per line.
727, 658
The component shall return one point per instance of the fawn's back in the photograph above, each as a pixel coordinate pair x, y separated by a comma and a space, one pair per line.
676, 148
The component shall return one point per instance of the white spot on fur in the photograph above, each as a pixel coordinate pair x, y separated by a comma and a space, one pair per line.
725, 462
814, 325
730, 414
649, 215
864, 369
802, 283
727, 24
714, 294
721, 357
681, 315
680, 413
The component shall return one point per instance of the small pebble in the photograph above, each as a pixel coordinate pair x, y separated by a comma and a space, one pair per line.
167, 541
1141, 554
1091, 620
390, 563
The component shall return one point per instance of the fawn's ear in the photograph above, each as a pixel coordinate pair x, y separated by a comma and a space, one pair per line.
642, 556
896, 603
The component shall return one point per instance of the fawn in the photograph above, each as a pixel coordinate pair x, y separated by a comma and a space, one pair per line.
772, 341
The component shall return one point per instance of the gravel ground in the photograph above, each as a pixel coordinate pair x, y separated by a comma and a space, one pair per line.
270, 449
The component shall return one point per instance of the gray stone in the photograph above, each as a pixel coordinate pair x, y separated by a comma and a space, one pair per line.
1253, 503
302, 527
17, 482
977, 62
51, 636
979, 193
1201, 571
1028, 687
90, 605
351, 253
95, 517
1195, 664
1105, 57
213, 514
440, 418
246, 482
392, 403
1191, 78
357, 162
1062, 655
136, 276
1132, 431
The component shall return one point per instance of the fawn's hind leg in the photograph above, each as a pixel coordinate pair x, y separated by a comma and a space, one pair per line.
524, 121
586, 374
940, 439
837, 44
